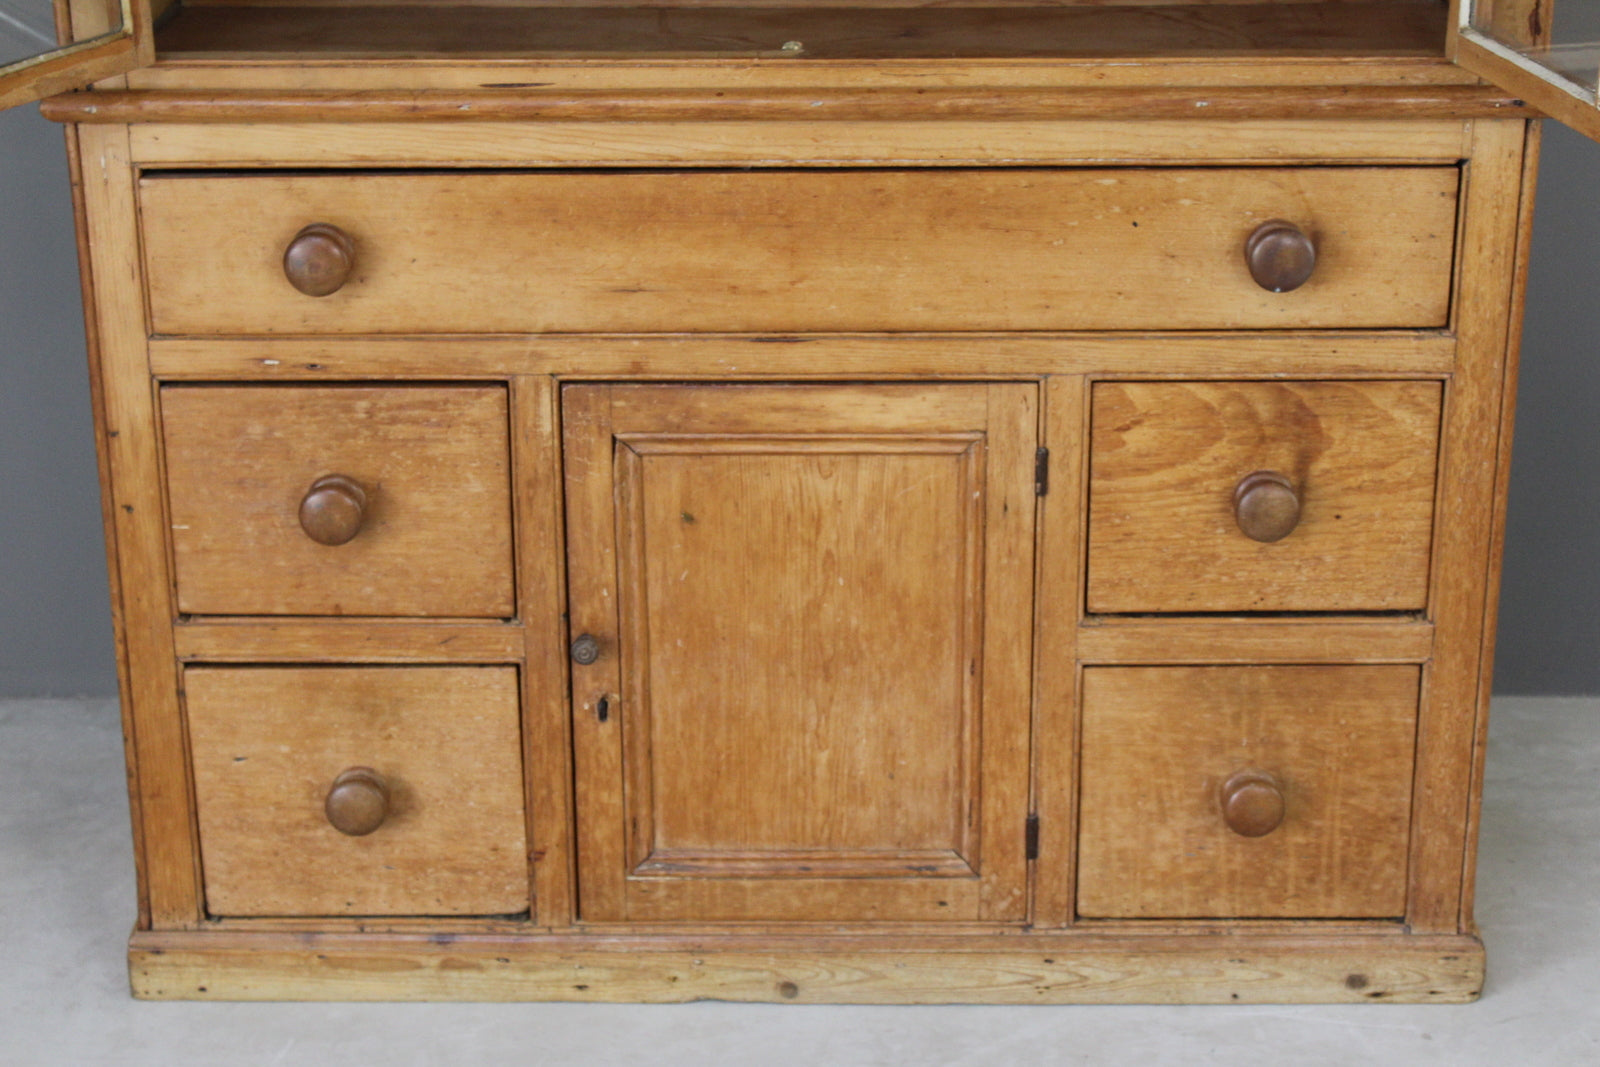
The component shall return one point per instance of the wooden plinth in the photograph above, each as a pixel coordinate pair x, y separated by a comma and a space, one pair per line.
1007, 969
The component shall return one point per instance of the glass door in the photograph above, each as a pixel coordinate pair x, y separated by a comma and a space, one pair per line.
48, 47
1545, 51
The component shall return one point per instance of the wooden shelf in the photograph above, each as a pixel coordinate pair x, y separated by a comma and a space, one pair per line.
798, 34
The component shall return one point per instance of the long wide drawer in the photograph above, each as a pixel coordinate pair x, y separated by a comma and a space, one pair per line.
790, 251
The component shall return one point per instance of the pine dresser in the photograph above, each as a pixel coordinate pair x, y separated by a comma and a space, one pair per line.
901, 503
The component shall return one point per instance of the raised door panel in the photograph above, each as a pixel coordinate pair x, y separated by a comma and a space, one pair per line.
811, 606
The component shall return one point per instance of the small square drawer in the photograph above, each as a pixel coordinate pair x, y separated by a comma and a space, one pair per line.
1246, 792
1262, 496
340, 500
359, 791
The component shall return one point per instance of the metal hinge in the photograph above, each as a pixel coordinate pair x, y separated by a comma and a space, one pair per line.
1041, 472
1031, 847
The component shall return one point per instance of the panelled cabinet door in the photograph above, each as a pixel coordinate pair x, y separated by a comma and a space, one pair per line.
1545, 51
800, 620
100, 38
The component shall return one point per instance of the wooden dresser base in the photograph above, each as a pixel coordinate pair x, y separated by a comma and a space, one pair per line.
1003, 969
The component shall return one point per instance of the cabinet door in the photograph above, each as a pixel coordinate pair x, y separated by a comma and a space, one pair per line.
801, 620
1545, 51
99, 38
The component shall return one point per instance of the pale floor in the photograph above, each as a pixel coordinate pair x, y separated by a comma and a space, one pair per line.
66, 903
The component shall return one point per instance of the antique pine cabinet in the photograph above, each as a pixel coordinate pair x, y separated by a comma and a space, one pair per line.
821, 503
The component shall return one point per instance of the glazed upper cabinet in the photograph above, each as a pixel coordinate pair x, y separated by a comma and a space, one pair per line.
101, 38
1547, 51
801, 656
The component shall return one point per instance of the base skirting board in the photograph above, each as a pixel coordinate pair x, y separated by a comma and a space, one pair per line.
1016, 969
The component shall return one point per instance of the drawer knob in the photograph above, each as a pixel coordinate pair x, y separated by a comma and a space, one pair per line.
333, 509
358, 801
1252, 803
1280, 255
585, 650
320, 259
1266, 506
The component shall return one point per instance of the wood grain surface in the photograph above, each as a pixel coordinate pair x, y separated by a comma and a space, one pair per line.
1167, 457
269, 741
1159, 743
801, 250
818, 716
1061, 969
435, 464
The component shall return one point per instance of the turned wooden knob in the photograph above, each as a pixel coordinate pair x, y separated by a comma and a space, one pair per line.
333, 509
320, 259
1266, 506
1252, 803
358, 801
585, 649
1280, 255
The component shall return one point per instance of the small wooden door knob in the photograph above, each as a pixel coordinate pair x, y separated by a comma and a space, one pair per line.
1280, 255
1266, 506
320, 259
585, 649
1252, 803
358, 801
333, 509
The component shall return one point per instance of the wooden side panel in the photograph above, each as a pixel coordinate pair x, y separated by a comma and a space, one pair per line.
1167, 456
801, 250
1058, 610
269, 742
823, 644
541, 594
137, 528
1456, 685
1508, 401
433, 464
1160, 742
587, 431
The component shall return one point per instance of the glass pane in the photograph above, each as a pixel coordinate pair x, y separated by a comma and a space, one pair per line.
1574, 49
1562, 36
27, 27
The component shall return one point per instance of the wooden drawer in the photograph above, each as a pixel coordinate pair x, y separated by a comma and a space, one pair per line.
269, 743
1182, 486
775, 251
249, 469
1165, 747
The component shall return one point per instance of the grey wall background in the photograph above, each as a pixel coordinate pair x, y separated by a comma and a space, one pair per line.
55, 624
55, 633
